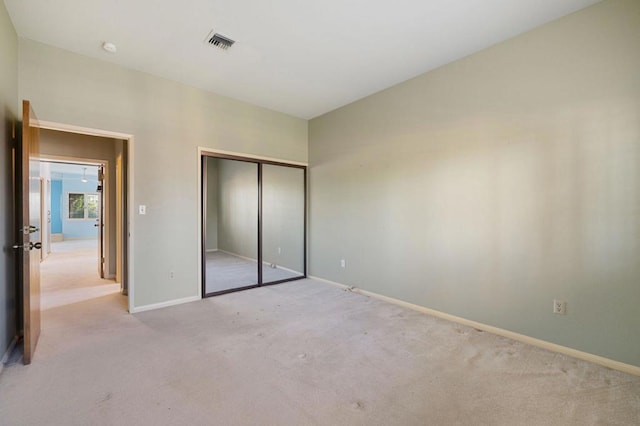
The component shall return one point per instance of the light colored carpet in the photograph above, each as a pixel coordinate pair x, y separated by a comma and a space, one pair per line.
300, 353
70, 274
225, 271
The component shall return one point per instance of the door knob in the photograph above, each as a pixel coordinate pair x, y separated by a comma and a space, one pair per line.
31, 246
30, 229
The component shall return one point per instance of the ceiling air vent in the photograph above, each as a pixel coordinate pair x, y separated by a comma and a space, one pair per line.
218, 40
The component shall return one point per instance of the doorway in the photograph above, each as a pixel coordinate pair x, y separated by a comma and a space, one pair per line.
75, 197
253, 223
30, 210
83, 178
77, 227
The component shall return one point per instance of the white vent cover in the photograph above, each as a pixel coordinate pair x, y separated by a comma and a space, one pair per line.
218, 40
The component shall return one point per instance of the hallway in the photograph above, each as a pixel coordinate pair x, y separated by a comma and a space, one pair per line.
69, 275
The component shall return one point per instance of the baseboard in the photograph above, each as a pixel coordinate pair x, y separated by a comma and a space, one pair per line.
238, 255
211, 250
264, 262
7, 353
283, 268
161, 305
585, 356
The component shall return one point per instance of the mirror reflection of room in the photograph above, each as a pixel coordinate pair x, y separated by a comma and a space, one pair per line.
231, 224
231, 210
282, 223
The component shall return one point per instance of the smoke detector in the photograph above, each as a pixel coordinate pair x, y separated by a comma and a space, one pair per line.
218, 40
109, 47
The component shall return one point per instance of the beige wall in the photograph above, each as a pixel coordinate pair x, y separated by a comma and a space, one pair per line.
169, 121
72, 145
237, 206
212, 205
490, 186
8, 116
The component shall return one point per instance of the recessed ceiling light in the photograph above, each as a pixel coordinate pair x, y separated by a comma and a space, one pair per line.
109, 47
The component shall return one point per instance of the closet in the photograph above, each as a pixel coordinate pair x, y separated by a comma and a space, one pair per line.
253, 223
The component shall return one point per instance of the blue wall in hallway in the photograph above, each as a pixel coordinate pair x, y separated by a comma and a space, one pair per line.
71, 228
56, 206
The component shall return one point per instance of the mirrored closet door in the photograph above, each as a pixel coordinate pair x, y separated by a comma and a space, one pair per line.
253, 223
282, 223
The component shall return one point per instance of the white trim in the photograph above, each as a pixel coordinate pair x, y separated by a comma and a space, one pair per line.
211, 250
298, 273
106, 188
81, 161
333, 283
7, 353
264, 262
203, 150
164, 304
129, 238
237, 255
585, 356
50, 125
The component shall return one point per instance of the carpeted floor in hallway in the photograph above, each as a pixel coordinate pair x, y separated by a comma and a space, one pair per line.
69, 274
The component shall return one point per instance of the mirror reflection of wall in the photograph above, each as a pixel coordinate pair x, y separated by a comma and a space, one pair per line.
232, 259
231, 224
282, 222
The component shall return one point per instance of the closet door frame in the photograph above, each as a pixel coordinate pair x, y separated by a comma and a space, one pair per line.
204, 155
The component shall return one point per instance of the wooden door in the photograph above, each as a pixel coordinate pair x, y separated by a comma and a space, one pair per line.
30, 221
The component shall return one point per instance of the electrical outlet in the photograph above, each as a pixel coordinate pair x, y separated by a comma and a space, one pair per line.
559, 307
343, 263
171, 274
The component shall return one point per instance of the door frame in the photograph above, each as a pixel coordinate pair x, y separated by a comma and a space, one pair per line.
127, 201
216, 153
108, 222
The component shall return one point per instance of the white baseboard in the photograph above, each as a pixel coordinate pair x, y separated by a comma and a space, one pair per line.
283, 268
240, 256
211, 250
264, 262
585, 356
7, 353
166, 304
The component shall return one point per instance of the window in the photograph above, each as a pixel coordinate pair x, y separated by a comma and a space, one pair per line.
83, 205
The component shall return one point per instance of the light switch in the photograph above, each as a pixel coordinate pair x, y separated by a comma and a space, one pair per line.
142, 209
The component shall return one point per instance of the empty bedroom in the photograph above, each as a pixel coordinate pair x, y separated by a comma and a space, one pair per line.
327, 213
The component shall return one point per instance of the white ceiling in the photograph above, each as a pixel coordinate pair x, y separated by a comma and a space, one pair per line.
302, 58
